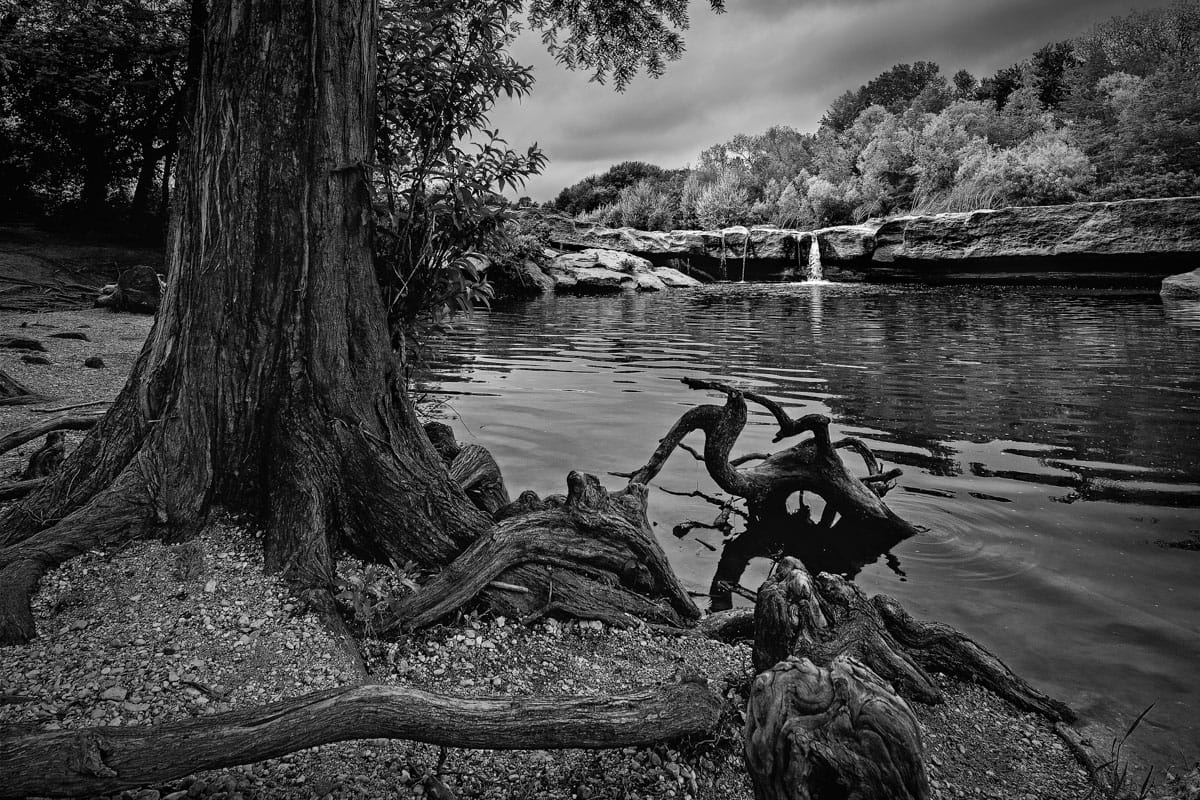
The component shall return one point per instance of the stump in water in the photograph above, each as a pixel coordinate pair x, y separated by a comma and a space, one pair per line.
815, 733
827, 617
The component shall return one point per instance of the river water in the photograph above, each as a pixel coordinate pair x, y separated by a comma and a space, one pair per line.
1050, 441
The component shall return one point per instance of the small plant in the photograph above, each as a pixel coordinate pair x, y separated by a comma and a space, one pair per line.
366, 590
189, 561
1114, 773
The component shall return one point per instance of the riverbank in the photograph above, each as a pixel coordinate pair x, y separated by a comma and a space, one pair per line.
154, 633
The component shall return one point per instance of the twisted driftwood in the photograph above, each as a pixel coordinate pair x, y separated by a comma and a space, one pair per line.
810, 466
831, 732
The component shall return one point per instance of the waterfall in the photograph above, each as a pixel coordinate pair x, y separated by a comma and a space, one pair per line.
815, 271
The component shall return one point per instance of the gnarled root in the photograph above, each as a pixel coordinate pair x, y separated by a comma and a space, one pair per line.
810, 466
824, 617
837, 731
590, 555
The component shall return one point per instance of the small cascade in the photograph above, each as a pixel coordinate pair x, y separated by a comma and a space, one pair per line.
815, 270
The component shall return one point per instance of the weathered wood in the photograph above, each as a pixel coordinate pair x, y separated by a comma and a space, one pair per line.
591, 555
824, 617
939, 647
13, 392
819, 733
104, 760
66, 422
476, 471
810, 466
47, 458
12, 490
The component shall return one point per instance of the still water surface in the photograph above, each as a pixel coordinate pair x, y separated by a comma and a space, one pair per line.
1050, 441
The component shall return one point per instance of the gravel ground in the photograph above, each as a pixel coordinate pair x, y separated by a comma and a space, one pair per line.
153, 632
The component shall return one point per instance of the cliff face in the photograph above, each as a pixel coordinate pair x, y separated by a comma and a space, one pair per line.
1135, 240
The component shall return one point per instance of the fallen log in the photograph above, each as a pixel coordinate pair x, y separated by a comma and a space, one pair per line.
66, 422
831, 732
13, 490
104, 760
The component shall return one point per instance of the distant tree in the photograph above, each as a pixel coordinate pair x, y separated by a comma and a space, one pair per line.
595, 191
1049, 67
91, 98
1003, 83
965, 85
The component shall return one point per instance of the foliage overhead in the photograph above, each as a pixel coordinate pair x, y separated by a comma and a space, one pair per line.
614, 38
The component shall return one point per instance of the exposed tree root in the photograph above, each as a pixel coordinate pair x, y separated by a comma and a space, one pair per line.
838, 731
811, 466
66, 422
107, 760
590, 555
14, 393
826, 617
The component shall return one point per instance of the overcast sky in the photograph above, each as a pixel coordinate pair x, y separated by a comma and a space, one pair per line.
769, 62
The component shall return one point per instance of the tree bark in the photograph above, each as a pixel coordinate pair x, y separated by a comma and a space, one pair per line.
106, 760
267, 383
817, 733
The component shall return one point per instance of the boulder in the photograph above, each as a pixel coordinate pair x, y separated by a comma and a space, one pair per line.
674, 279
1184, 287
1164, 227
845, 244
597, 270
138, 288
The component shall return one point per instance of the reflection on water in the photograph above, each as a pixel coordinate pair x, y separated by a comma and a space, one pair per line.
1050, 441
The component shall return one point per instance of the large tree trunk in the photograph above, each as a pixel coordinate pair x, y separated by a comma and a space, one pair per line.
267, 383
106, 760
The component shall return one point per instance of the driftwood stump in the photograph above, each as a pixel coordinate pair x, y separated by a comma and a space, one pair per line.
826, 733
825, 617
812, 465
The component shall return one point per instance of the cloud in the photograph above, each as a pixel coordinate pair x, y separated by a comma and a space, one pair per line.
768, 62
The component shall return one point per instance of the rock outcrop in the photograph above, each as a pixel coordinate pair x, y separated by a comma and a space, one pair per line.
1182, 287
1129, 240
604, 271
1167, 227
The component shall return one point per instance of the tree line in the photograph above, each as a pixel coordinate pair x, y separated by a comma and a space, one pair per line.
1109, 115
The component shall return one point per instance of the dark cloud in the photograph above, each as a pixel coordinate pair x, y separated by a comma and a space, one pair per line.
768, 62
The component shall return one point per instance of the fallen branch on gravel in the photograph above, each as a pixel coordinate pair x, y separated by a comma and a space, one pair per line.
106, 760
14, 393
78, 422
